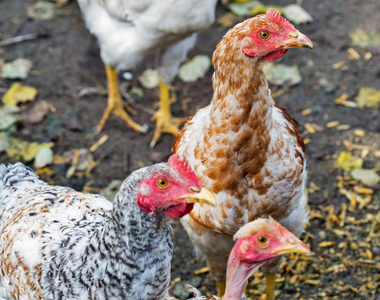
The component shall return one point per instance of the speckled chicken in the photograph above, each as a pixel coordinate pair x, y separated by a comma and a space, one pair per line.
130, 30
243, 147
256, 242
56, 243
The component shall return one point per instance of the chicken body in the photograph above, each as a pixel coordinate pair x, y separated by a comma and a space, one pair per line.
129, 30
244, 148
56, 243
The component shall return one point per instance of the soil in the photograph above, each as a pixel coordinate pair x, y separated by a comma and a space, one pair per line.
67, 61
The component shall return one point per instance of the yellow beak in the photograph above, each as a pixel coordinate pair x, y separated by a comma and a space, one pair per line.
292, 245
296, 39
200, 196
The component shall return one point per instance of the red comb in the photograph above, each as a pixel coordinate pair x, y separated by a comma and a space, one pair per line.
181, 165
274, 15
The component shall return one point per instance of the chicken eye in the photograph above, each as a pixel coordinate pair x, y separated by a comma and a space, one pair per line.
264, 35
162, 183
262, 240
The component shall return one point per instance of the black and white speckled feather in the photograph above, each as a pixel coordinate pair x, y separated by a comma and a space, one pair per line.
56, 243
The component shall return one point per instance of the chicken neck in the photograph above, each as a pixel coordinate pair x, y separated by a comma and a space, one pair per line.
235, 143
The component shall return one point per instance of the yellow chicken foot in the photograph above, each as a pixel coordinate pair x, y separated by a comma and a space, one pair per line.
220, 288
115, 104
163, 117
270, 284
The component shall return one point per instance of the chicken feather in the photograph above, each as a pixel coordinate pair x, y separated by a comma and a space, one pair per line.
57, 243
243, 147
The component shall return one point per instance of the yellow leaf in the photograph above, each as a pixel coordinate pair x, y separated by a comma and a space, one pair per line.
348, 162
19, 93
228, 20
31, 150
368, 97
262, 9
59, 160
44, 171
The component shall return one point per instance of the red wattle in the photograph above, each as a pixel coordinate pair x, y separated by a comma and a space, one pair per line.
178, 211
271, 57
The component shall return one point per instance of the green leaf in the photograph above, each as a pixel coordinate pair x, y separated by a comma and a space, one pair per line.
366, 177
41, 10
296, 14
9, 115
280, 74
243, 9
43, 157
150, 79
4, 141
15, 147
365, 39
17, 69
31, 150
195, 68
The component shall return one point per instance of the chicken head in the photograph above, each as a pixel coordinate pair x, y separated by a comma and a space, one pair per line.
257, 242
174, 192
270, 36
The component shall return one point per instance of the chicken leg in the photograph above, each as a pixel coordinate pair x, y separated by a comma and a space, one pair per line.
220, 288
270, 284
163, 117
115, 104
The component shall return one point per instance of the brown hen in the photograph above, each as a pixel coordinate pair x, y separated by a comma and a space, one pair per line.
243, 147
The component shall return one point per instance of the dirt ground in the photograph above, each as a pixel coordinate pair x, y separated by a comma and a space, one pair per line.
343, 231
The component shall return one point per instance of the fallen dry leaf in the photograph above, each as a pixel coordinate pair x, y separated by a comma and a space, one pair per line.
9, 115
41, 10
348, 162
367, 177
37, 113
365, 39
17, 69
368, 97
280, 74
296, 14
19, 93
195, 68
150, 79
228, 20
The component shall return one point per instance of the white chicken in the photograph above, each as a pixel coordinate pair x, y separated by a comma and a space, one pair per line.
129, 30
